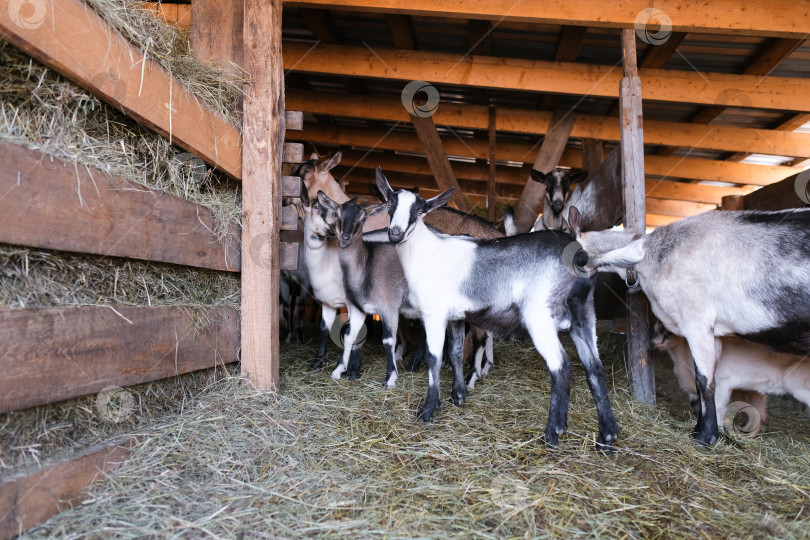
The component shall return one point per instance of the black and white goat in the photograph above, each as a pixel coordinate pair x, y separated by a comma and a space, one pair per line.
502, 285
717, 274
558, 184
322, 256
373, 279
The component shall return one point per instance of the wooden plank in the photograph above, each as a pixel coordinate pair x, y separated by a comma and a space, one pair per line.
52, 204
288, 255
290, 186
593, 154
726, 138
655, 220
548, 157
658, 55
785, 18
263, 136
292, 153
639, 359
289, 218
437, 158
224, 45
664, 166
401, 31
733, 202
69, 40
52, 354
491, 180
30, 498
676, 208
479, 36
793, 192
780, 93
771, 56
293, 120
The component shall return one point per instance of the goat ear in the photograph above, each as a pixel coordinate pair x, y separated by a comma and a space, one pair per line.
383, 185
304, 194
575, 221
439, 200
353, 201
414, 189
376, 209
537, 176
333, 161
314, 156
579, 177
328, 203
376, 191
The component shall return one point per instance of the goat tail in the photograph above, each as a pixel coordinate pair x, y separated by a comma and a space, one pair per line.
509, 224
621, 258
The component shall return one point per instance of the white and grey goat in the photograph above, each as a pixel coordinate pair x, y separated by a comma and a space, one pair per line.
717, 274
502, 285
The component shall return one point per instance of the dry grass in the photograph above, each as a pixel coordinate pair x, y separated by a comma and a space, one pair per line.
38, 278
336, 459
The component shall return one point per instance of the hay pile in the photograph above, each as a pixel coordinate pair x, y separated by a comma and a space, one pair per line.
348, 458
41, 110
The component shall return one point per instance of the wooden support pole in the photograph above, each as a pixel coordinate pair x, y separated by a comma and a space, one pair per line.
593, 154
437, 158
639, 359
262, 136
548, 157
491, 182
733, 202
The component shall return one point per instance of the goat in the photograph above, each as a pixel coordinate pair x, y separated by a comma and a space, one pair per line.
294, 293
721, 273
373, 278
741, 365
502, 285
558, 183
322, 257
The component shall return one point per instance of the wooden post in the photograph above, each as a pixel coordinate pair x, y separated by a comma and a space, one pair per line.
437, 158
547, 159
593, 154
732, 202
639, 359
262, 139
491, 182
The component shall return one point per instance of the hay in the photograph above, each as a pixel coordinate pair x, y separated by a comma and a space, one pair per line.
43, 111
220, 89
37, 278
346, 458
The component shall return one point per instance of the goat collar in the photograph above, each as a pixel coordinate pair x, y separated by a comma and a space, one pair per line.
632, 276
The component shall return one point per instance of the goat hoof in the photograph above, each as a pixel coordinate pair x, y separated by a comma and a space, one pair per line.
604, 443
705, 439
426, 413
353, 376
317, 364
458, 399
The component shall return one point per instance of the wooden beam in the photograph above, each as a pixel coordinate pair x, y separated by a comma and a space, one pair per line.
781, 93
724, 138
733, 202
358, 178
49, 203
658, 55
548, 157
593, 154
30, 498
492, 175
223, 46
53, 354
655, 220
778, 18
263, 135
639, 359
437, 158
480, 37
69, 40
793, 192
401, 31
664, 166
178, 15
569, 44
771, 56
